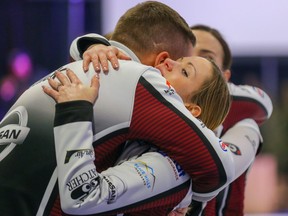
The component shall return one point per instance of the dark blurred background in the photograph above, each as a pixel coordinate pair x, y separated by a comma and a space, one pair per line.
35, 36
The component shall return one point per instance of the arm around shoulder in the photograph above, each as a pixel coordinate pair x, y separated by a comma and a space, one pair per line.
80, 44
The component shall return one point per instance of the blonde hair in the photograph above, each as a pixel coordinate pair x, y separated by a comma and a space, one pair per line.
214, 99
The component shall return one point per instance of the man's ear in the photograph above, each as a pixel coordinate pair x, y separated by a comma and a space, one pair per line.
227, 74
160, 58
194, 109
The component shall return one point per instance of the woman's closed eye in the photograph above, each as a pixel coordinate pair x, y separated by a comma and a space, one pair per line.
185, 72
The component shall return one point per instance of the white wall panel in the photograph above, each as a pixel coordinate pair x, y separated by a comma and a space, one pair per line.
252, 27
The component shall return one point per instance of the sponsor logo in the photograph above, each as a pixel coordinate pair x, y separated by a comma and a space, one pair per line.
146, 173
79, 153
223, 146
112, 191
201, 123
178, 171
13, 130
82, 185
170, 90
233, 148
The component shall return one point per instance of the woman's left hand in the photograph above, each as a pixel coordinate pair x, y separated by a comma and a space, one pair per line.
70, 88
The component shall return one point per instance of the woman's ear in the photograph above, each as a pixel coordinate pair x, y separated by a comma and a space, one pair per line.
227, 74
194, 109
160, 58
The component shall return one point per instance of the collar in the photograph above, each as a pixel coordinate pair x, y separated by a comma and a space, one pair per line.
125, 49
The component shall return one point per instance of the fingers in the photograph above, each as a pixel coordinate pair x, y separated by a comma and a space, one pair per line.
107, 53
72, 76
71, 88
86, 61
95, 84
122, 56
103, 58
63, 80
51, 92
67, 79
112, 56
54, 83
98, 59
95, 81
100, 55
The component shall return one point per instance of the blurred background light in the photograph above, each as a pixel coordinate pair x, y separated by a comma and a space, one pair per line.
8, 89
21, 65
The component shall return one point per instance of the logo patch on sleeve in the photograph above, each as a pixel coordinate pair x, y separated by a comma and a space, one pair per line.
13, 130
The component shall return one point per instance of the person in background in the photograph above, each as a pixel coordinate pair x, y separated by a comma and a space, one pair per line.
211, 44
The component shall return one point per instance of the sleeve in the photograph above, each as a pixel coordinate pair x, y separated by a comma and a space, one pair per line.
248, 102
243, 140
85, 191
80, 44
